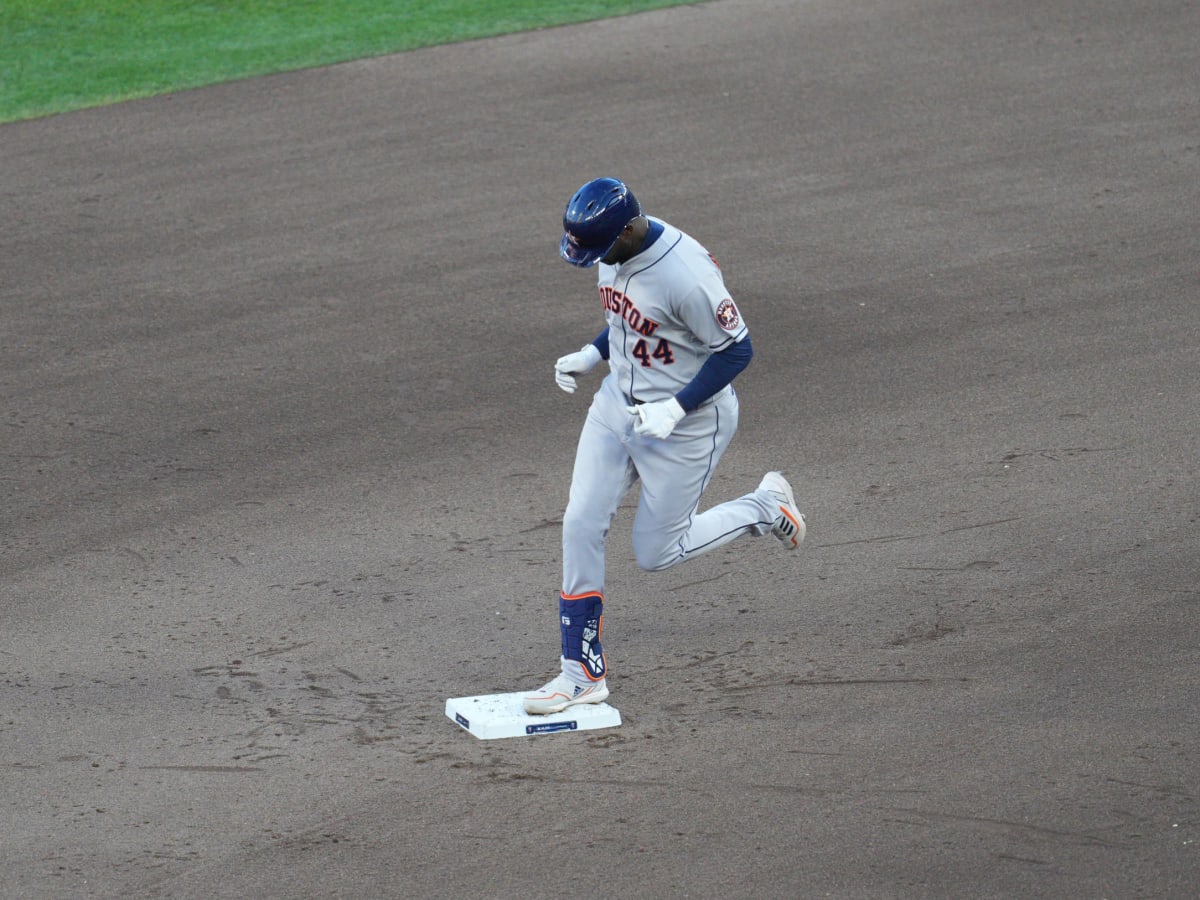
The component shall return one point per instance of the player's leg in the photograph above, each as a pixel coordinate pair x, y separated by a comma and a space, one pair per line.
669, 528
602, 476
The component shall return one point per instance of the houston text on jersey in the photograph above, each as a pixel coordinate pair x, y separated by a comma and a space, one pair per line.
616, 302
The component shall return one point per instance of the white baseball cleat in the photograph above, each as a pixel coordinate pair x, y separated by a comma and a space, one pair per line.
562, 692
789, 524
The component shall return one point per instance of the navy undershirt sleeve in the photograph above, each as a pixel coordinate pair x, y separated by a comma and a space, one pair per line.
601, 343
718, 370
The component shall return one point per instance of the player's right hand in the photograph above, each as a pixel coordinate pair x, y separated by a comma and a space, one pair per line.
574, 364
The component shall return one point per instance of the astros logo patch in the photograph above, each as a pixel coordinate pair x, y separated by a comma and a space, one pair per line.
727, 315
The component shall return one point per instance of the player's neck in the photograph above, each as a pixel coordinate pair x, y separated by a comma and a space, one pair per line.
654, 231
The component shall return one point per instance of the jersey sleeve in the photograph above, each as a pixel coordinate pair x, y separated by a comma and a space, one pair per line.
710, 313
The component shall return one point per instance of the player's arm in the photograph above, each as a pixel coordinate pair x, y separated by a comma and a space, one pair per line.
718, 370
580, 362
601, 343
659, 419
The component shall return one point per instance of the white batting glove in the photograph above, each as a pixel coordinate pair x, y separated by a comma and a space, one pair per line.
574, 364
659, 418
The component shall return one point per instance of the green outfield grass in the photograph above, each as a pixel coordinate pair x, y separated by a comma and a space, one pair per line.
60, 55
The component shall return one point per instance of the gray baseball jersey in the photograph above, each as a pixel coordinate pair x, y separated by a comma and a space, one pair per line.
668, 310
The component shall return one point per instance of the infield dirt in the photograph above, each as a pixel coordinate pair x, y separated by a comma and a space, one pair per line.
284, 465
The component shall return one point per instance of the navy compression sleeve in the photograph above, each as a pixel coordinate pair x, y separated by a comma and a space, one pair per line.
601, 343
718, 370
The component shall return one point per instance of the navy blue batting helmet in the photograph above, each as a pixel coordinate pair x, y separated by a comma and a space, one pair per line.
594, 219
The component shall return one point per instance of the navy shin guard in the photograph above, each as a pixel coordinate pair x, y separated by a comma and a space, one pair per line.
582, 621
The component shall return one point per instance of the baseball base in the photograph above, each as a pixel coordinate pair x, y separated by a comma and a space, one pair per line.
491, 716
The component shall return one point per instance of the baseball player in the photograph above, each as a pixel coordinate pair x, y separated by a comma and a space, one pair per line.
663, 416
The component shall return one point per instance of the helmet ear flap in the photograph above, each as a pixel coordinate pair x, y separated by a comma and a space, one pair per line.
594, 219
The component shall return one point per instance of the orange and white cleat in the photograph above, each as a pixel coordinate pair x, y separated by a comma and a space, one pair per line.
789, 525
562, 692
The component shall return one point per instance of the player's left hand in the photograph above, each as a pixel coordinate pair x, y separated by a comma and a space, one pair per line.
658, 419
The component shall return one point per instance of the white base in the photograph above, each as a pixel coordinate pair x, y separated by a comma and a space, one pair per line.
500, 716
